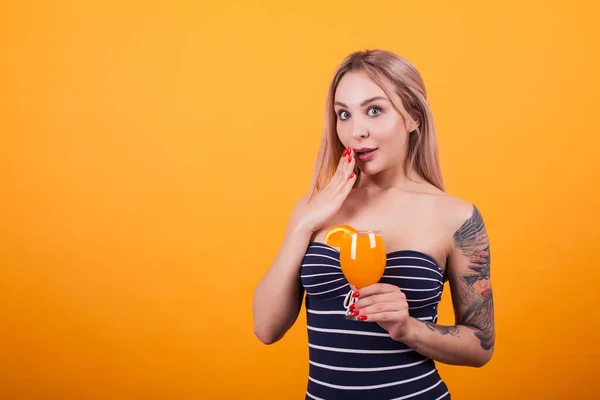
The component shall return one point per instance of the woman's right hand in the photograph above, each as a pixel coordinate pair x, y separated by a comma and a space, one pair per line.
326, 203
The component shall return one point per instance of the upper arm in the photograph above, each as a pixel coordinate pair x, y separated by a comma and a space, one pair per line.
469, 278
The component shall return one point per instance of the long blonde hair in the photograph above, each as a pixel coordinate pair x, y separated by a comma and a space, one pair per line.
384, 67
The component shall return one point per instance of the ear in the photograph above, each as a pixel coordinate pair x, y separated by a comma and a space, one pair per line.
411, 125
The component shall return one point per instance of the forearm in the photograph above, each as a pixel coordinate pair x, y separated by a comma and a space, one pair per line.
455, 345
278, 295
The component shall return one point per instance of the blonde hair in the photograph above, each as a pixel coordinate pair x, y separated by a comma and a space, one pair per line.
384, 67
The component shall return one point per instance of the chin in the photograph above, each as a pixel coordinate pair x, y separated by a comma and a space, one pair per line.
370, 169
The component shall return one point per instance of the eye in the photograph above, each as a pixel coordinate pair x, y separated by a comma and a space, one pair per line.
374, 111
344, 115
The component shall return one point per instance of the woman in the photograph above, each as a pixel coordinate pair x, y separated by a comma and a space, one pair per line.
378, 169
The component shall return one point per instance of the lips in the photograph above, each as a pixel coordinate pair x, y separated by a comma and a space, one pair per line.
365, 153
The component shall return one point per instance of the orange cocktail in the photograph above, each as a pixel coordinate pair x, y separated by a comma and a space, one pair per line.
362, 257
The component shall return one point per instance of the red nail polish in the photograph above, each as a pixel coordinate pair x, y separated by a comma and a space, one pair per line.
352, 175
362, 317
354, 313
352, 307
345, 153
355, 294
349, 158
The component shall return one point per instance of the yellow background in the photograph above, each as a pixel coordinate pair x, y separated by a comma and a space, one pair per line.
151, 152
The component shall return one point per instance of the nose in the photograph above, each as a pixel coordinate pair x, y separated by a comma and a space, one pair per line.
359, 133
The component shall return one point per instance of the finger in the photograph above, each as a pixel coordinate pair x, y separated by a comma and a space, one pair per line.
365, 302
350, 158
339, 175
384, 307
347, 186
385, 316
343, 172
337, 179
350, 162
377, 288
350, 179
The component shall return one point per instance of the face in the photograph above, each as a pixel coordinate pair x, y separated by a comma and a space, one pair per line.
368, 123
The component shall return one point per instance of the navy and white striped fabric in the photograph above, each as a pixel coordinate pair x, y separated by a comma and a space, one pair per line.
358, 360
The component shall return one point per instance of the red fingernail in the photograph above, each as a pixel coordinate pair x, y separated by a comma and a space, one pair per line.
362, 317
352, 175
352, 307
345, 153
354, 313
349, 158
355, 294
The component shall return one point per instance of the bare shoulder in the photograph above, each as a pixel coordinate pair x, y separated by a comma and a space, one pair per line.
465, 229
460, 220
449, 212
455, 211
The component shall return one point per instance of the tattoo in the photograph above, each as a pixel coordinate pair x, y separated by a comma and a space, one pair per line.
444, 330
474, 291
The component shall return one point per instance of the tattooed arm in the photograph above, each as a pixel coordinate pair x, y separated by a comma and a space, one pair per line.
471, 341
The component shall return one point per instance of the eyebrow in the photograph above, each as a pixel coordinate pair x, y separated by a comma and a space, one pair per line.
364, 103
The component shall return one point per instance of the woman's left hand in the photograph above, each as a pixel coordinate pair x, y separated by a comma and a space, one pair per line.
385, 304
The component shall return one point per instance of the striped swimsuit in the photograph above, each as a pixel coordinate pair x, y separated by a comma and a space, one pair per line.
358, 360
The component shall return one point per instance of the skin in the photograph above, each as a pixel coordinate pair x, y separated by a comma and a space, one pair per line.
414, 214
